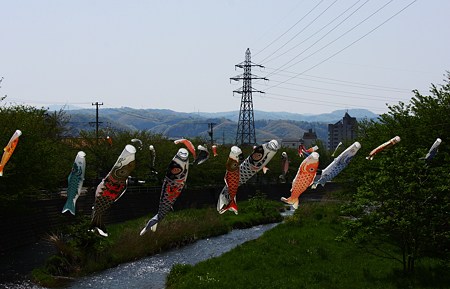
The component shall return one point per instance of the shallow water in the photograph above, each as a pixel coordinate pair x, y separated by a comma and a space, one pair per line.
151, 272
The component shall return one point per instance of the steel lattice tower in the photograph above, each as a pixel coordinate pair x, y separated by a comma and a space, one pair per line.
246, 126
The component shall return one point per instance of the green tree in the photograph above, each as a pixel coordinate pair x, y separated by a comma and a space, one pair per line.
41, 160
398, 198
101, 154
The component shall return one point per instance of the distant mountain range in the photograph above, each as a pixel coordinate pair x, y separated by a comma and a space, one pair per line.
331, 117
268, 125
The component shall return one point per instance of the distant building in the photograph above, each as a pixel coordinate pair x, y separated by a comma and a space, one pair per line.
292, 143
308, 140
344, 130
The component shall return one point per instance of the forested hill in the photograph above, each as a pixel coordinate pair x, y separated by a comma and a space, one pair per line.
268, 125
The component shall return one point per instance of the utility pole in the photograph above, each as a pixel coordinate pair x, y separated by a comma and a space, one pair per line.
210, 131
246, 126
97, 104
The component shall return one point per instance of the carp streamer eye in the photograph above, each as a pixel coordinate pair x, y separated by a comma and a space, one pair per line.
122, 172
232, 165
257, 156
311, 169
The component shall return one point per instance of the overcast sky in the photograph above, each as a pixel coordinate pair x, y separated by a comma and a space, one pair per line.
319, 55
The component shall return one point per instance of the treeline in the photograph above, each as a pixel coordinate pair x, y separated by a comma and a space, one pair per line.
43, 158
399, 198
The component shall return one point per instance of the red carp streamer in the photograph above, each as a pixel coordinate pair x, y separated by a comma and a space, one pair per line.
214, 150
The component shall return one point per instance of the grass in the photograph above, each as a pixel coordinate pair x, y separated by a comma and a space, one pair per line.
304, 252
81, 252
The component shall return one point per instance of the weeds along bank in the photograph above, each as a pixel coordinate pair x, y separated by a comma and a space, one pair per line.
80, 252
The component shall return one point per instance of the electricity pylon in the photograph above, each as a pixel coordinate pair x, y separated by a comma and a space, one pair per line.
246, 126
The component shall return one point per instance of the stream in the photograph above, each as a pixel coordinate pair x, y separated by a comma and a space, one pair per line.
151, 272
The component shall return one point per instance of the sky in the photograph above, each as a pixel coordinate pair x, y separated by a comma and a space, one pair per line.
317, 55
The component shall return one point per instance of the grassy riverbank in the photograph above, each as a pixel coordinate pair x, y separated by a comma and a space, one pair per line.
304, 252
81, 252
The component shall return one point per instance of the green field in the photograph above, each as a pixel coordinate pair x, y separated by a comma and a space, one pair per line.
305, 252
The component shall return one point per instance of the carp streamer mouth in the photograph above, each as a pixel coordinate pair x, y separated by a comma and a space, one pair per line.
273, 145
256, 165
175, 171
257, 156
175, 168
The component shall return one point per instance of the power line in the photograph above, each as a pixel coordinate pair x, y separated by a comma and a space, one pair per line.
304, 28
378, 26
373, 97
289, 28
48, 102
323, 27
354, 84
336, 39
284, 17
309, 101
133, 114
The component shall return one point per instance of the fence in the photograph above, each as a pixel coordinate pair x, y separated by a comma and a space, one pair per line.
33, 219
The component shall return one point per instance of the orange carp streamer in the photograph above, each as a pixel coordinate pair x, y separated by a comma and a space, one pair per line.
9, 149
383, 146
232, 176
188, 145
304, 178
